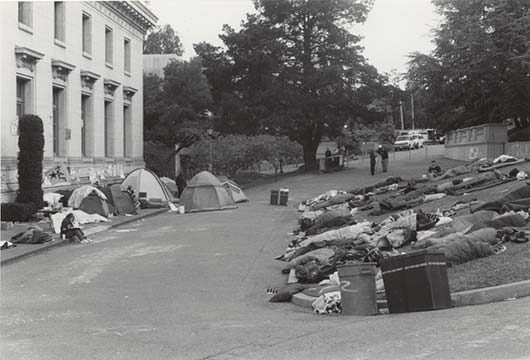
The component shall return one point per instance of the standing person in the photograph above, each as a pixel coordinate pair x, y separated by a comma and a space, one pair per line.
373, 159
181, 183
384, 157
328, 158
70, 230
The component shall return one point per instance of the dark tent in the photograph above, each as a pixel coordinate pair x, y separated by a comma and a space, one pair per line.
122, 201
93, 204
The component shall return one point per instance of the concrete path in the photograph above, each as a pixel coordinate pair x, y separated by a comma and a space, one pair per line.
194, 287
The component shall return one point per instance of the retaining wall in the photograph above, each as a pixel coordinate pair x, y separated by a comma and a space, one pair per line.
484, 141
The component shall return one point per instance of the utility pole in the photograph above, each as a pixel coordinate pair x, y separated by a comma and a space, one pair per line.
412, 107
401, 113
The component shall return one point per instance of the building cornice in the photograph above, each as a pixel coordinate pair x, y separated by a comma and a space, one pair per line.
134, 12
62, 65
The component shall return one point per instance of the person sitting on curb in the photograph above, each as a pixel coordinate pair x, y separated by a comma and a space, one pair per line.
70, 230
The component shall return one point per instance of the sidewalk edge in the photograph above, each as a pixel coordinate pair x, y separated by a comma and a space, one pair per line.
480, 296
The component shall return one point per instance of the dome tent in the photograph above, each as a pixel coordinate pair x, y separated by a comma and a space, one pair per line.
89, 199
205, 192
147, 186
235, 191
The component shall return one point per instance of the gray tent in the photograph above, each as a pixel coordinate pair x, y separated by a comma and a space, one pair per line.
205, 192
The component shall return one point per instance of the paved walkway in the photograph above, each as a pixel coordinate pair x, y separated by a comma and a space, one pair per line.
23, 250
194, 286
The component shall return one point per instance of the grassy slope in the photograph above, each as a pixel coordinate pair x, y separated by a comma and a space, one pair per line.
512, 265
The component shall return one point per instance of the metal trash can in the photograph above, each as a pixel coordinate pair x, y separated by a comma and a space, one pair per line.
416, 281
357, 288
274, 197
284, 197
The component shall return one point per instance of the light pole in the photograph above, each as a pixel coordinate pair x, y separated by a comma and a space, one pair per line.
401, 113
210, 132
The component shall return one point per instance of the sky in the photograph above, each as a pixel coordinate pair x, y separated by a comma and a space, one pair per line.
394, 28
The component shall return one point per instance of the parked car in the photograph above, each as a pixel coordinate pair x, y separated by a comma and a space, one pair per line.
404, 142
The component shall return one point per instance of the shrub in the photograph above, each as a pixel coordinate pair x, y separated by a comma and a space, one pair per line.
18, 211
31, 149
233, 153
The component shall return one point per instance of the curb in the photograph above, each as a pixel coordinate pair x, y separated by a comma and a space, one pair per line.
89, 232
486, 295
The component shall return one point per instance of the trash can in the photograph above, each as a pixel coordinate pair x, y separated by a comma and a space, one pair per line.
284, 197
357, 290
416, 281
274, 197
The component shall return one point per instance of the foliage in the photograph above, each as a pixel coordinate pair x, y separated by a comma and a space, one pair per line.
293, 69
158, 157
175, 108
479, 71
18, 211
30, 156
163, 40
383, 132
232, 153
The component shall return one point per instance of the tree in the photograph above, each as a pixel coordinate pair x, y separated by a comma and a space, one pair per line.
293, 68
30, 156
163, 40
479, 71
175, 110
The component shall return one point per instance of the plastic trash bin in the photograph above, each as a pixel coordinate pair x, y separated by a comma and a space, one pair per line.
357, 290
416, 281
274, 197
284, 197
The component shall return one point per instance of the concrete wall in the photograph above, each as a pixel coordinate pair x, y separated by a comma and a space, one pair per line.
484, 141
39, 65
520, 150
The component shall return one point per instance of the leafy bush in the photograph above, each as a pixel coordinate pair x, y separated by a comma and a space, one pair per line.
233, 153
18, 211
31, 152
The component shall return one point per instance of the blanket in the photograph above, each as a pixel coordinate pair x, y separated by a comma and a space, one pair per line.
518, 199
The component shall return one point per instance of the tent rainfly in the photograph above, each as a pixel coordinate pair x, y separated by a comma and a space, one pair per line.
235, 191
205, 192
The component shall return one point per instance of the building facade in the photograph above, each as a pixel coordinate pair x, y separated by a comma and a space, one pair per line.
154, 64
79, 67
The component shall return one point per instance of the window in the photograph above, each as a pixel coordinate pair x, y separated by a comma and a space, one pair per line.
21, 96
57, 110
127, 55
59, 20
108, 128
24, 13
108, 46
126, 130
85, 118
87, 34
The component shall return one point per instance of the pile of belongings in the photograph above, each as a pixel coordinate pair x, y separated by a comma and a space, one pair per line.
330, 231
32, 235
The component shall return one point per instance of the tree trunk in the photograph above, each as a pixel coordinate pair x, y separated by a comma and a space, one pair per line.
310, 156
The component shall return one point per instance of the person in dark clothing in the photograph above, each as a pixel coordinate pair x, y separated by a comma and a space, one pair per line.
181, 183
373, 159
384, 157
70, 230
328, 158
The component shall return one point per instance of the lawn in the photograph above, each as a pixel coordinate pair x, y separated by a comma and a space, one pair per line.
512, 265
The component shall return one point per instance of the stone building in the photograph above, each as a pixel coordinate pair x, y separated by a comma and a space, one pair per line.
78, 66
